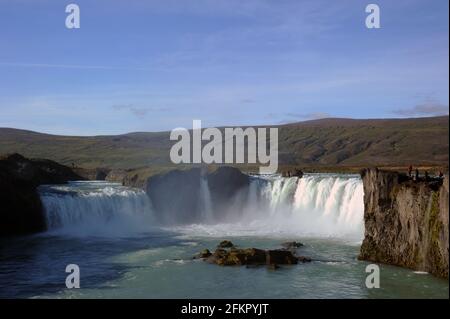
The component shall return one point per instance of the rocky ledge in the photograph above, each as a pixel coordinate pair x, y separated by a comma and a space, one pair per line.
21, 212
406, 221
227, 254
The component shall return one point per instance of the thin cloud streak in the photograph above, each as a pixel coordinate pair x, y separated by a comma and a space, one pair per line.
69, 66
425, 109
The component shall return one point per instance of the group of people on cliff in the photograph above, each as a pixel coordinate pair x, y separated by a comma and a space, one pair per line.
416, 175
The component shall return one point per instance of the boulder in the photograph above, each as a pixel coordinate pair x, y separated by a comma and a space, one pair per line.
281, 257
225, 244
205, 253
250, 257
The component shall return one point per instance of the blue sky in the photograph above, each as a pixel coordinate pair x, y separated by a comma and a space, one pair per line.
157, 65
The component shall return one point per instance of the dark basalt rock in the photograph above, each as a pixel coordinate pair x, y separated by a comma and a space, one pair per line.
205, 253
281, 257
21, 209
252, 257
223, 184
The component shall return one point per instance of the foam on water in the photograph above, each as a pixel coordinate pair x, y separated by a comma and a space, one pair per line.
96, 208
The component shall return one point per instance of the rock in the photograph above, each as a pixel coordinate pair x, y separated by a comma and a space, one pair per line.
282, 257
291, 245
255, 256
251, 257
297, 173
406, 222
205, 253
303, 259
223, 183
225, 244
98, 174
21, 208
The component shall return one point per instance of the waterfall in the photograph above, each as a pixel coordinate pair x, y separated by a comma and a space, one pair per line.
94, 207
324, 205
330, 205
205, 200
316, 205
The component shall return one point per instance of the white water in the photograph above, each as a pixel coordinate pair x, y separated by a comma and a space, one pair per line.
317, 205
96, 208
205, 201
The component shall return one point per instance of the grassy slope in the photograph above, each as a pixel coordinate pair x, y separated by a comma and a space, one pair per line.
319, 143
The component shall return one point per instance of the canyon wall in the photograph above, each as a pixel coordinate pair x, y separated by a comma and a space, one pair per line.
406, 221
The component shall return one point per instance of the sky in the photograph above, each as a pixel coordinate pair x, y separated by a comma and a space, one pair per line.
140, 65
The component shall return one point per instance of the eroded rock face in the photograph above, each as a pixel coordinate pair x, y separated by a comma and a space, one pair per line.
179, 196
406, 222
21, 209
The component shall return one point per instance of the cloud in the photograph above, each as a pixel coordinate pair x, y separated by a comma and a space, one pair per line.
293, 117
139, 112
71, 66
309, 116
428, 108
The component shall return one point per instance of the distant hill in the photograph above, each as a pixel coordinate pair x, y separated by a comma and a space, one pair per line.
325, 142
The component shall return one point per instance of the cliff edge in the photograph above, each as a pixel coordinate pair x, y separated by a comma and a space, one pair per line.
21, 210
406, 221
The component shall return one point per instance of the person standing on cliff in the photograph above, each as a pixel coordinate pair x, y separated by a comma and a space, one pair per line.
410, 171
416, 175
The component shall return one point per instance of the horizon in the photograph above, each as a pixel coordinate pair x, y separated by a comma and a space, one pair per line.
243, 126
141, 67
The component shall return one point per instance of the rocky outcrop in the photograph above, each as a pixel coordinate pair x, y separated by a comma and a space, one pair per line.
179, 196
406, 221
95, 174
227, 254
21, 208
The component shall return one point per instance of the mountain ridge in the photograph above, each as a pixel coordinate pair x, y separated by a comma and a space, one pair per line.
322, 142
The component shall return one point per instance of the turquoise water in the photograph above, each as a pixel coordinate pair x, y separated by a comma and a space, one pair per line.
159, 265
113, 234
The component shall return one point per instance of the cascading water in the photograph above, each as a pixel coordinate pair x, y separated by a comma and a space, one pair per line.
316, 205
96, 208
205, 201
330, 205
324, 205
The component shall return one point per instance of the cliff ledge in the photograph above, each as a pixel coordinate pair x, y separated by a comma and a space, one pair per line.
406, 221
